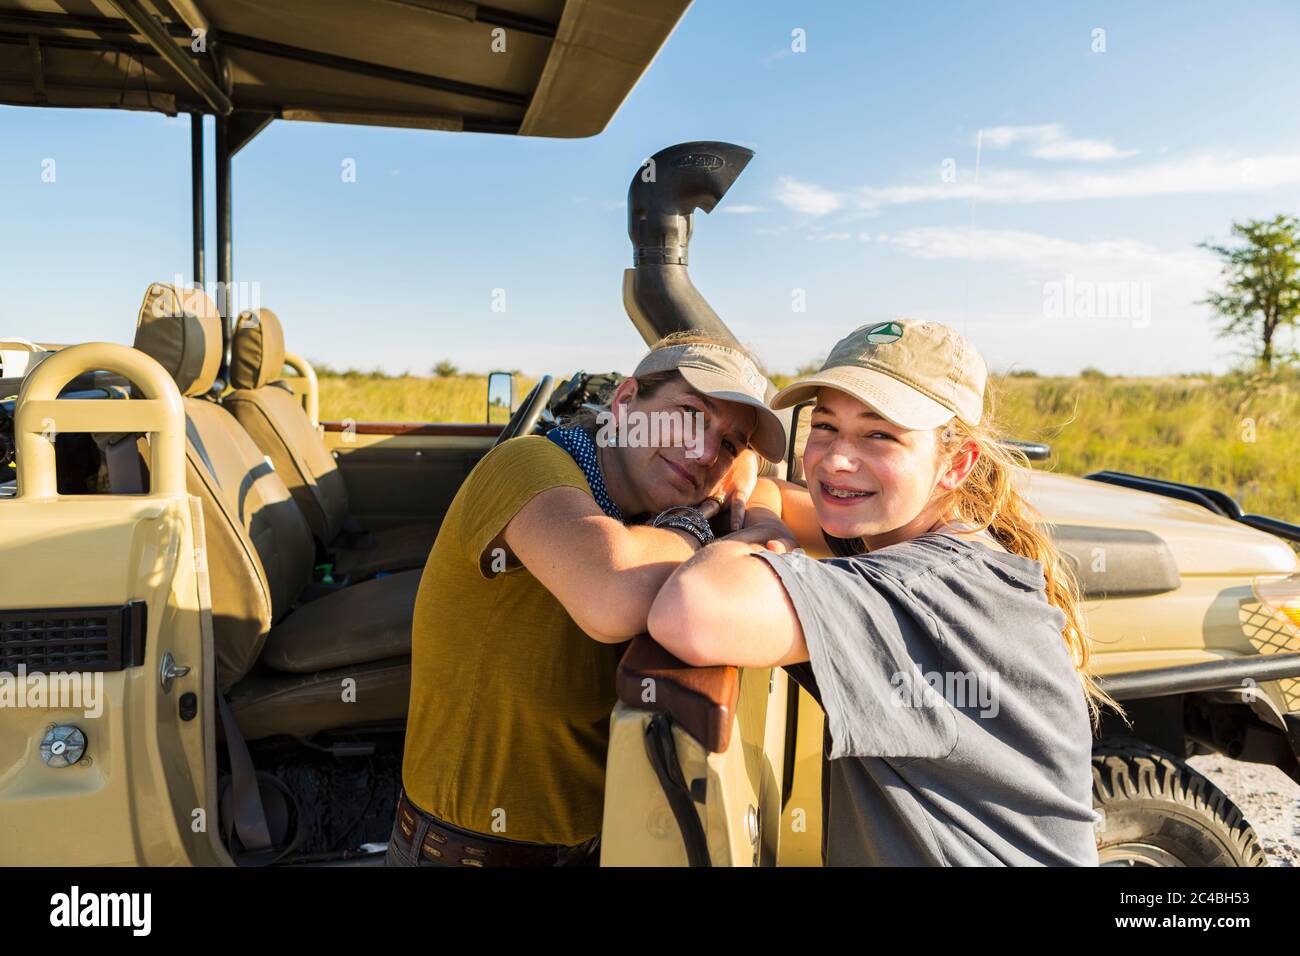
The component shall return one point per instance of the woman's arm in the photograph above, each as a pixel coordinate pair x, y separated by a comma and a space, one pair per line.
604, 572
724, 606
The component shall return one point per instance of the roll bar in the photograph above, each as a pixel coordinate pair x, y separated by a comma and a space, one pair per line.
312, 390
40, 415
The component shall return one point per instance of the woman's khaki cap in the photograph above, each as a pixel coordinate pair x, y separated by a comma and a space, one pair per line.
728, 375
918, 375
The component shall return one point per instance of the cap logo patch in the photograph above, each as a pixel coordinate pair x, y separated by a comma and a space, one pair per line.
884, 333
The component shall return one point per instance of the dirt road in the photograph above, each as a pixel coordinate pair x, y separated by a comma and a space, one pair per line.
1269, 799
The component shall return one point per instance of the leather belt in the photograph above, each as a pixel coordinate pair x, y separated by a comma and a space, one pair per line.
444, 843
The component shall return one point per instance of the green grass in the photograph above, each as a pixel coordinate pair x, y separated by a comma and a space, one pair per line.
409, 398
1240, 434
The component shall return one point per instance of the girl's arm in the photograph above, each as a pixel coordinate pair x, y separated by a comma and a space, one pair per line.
724, 606
799, 516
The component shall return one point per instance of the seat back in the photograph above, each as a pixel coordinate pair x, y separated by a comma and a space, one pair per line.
258, 547
273, 417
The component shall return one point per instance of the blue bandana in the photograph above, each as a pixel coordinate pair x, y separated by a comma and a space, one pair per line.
579, 445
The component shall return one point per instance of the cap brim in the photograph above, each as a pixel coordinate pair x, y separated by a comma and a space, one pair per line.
769, 438
893, 400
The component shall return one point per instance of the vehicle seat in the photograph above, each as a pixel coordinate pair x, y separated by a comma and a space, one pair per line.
260, 553
273, 416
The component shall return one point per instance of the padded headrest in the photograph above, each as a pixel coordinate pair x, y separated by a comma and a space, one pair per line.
257, 350
181, 330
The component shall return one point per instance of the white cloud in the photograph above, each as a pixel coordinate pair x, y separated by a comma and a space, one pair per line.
805, 197
1050, 141
1203, 174
741, 209
1121, 259
1058, 304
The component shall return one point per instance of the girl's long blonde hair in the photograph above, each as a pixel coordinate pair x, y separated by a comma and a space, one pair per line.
990, 499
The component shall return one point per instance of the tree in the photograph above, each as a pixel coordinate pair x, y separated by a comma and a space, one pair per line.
1263, 283
446, 369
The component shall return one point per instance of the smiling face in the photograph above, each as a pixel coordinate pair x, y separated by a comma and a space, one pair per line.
646, 477
875, 480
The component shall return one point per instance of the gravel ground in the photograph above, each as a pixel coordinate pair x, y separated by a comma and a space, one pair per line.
1269, 799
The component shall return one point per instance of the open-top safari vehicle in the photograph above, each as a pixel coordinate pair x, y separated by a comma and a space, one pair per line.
178, 530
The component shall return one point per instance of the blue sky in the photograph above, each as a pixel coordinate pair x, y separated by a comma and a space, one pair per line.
1099, 172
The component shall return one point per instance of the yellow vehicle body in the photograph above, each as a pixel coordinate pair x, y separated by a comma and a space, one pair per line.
720, 768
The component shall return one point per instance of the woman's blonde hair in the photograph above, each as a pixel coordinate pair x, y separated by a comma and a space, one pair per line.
990, 499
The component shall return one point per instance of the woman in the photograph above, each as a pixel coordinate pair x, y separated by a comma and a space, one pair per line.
945, 644
545, 565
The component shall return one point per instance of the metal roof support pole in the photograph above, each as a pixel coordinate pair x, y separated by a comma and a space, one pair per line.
225, 254
196, 194
185, 65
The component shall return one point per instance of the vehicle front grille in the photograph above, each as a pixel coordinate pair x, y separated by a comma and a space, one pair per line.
72, 638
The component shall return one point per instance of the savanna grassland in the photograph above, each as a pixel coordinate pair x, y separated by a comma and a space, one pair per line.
371, 397
1238, 433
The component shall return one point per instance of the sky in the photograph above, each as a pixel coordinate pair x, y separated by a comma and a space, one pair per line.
1037, 175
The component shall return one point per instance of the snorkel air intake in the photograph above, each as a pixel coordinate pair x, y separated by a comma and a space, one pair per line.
665, 192
661, 201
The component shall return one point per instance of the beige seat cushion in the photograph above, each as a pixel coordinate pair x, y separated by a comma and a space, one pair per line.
365, 622
278, 424
280, 428
255, 497
258, 547
304, 704
392, 549
276, 421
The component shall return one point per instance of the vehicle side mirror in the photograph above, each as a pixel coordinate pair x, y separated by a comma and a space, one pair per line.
500, 397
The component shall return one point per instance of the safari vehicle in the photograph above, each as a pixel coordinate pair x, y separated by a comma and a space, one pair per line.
247, 621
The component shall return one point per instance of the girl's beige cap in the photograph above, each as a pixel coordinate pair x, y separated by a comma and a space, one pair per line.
916, 374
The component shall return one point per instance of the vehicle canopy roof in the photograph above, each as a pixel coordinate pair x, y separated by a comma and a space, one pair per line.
556, 68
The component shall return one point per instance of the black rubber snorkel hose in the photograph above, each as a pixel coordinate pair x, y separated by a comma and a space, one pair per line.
664, 194
661, 201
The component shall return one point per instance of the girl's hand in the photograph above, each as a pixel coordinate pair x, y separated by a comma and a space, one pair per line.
764, 530
737, 486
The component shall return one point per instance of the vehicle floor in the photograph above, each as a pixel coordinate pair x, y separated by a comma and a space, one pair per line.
346, 797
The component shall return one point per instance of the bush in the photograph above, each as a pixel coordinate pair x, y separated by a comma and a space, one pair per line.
446, 369
327, 371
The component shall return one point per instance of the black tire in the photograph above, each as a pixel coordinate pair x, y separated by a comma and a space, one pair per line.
1158, 811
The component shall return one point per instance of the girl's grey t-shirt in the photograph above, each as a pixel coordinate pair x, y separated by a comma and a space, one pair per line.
957, 732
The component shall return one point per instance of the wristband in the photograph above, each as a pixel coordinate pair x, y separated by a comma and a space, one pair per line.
685, 518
